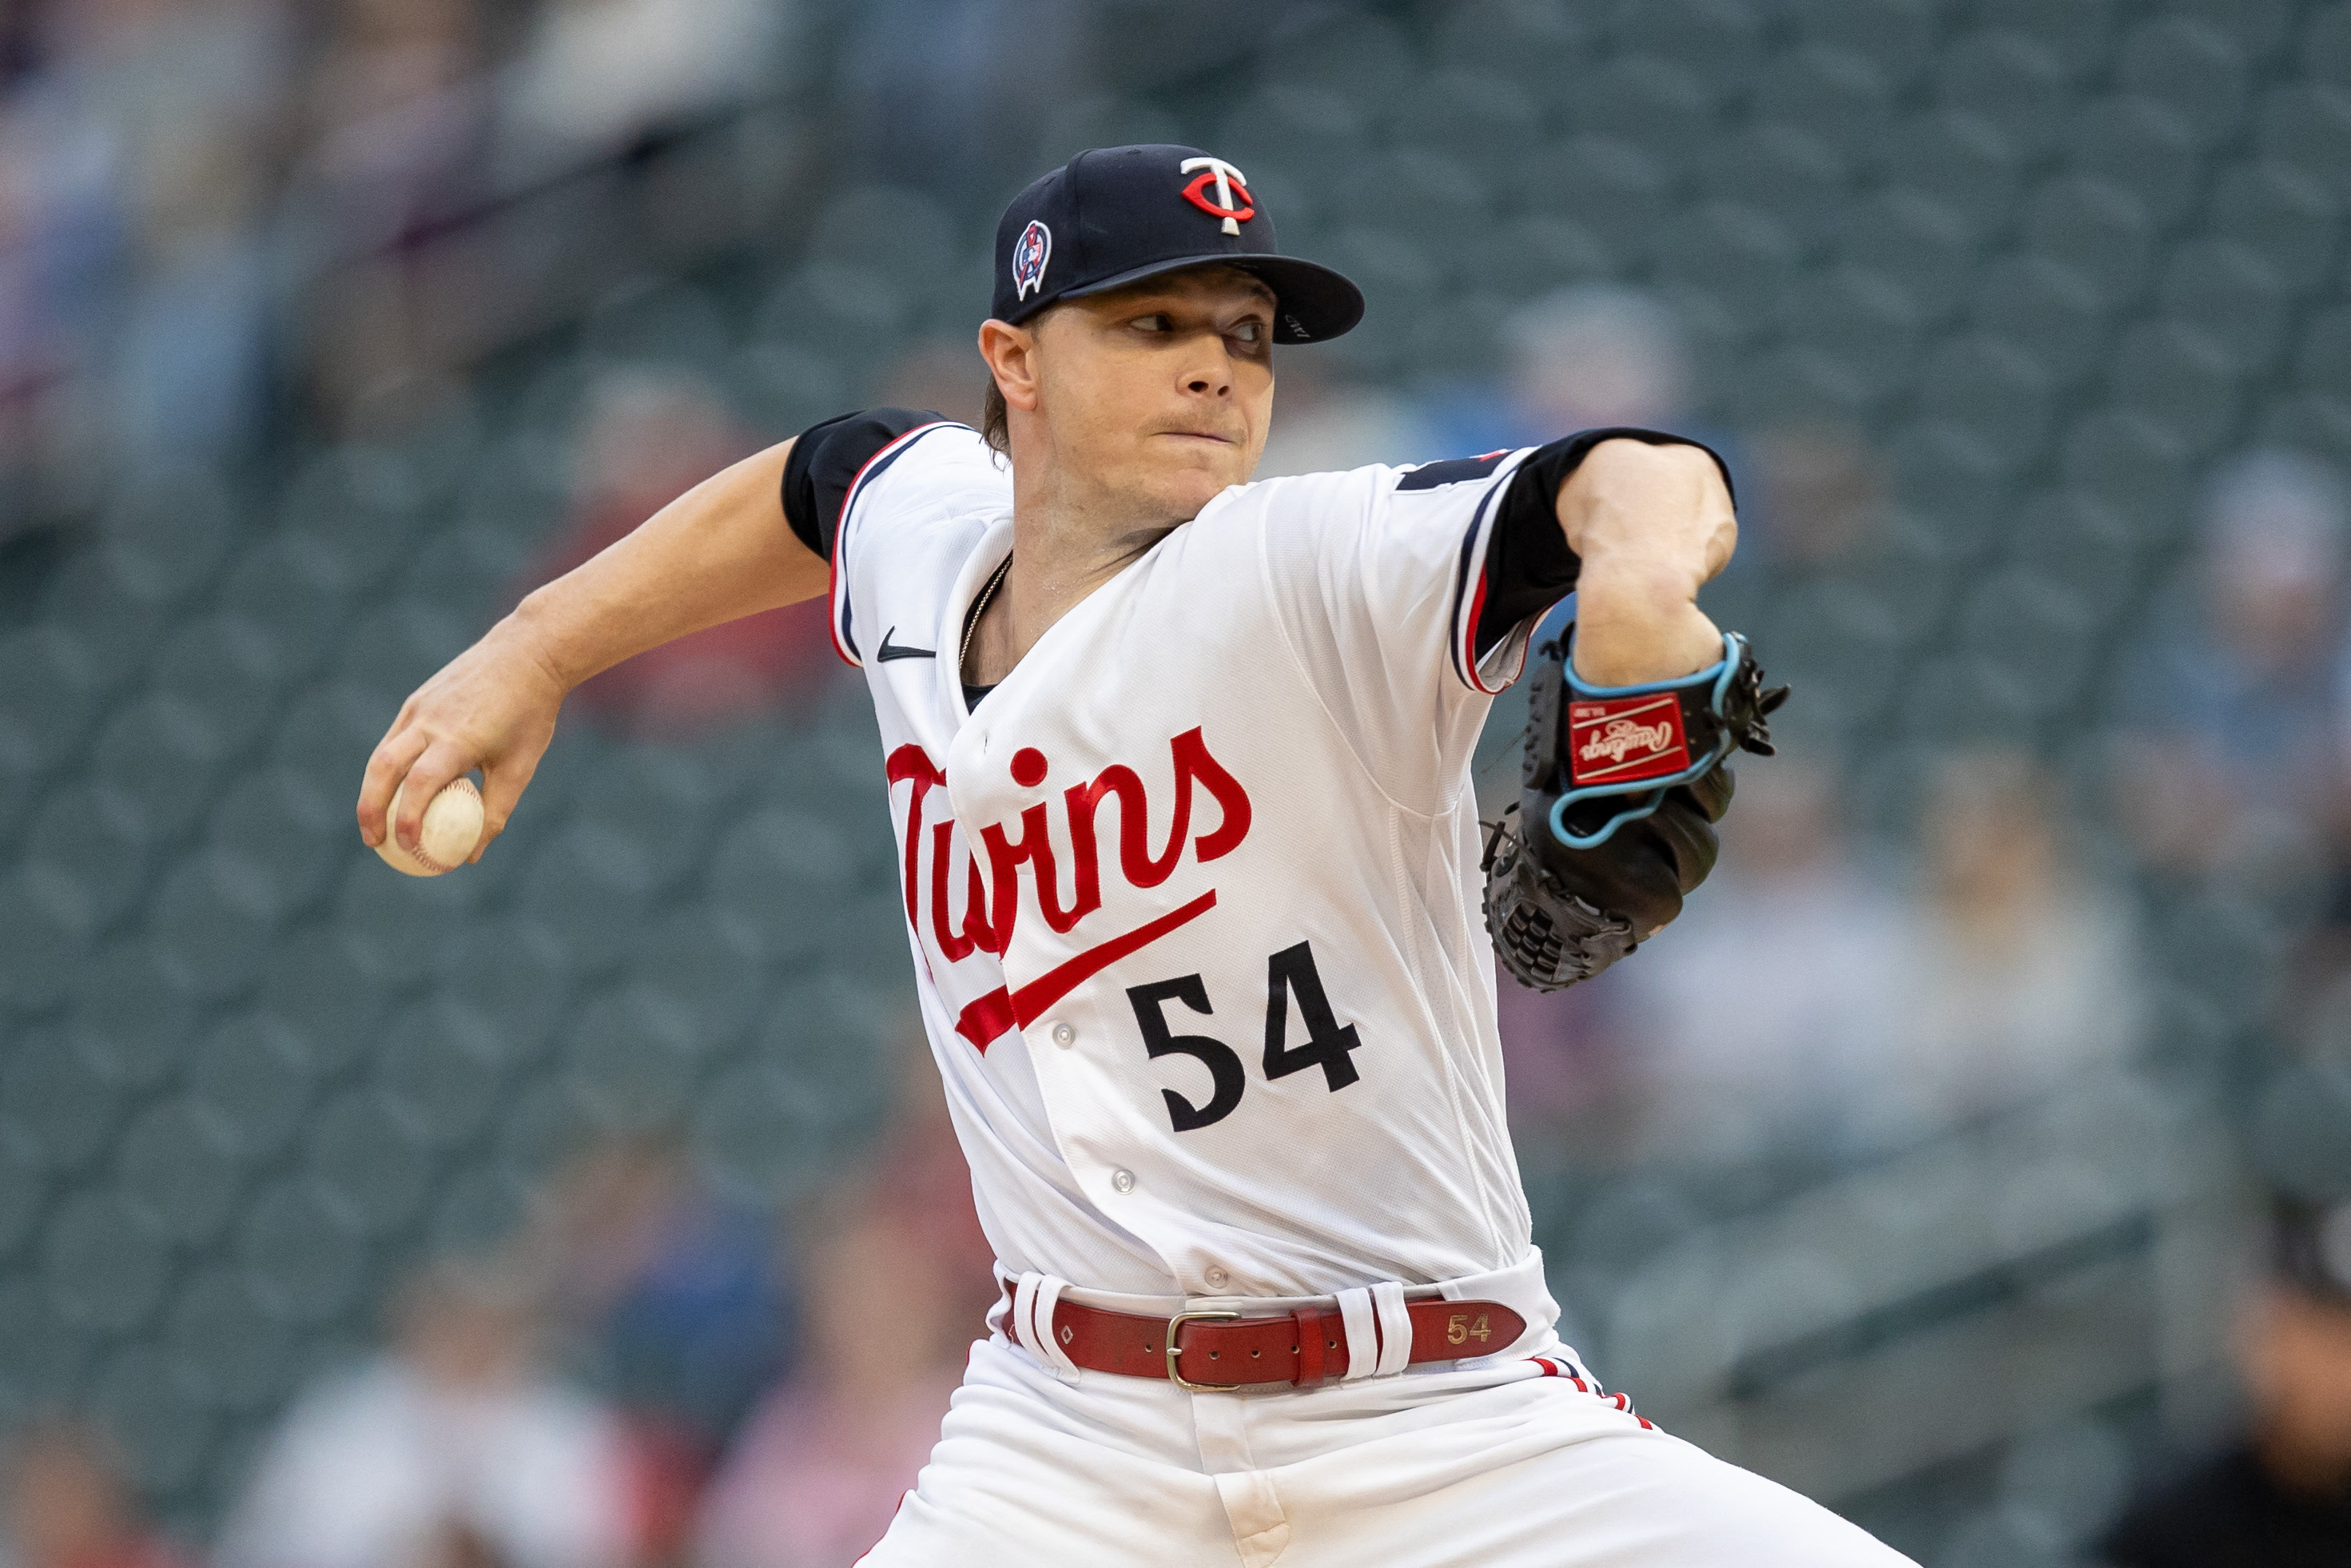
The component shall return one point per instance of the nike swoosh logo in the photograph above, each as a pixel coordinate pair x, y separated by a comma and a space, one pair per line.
890, 650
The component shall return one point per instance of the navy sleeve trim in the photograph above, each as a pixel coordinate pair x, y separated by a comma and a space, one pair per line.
1453, 471
1529, 567
825, 462
1469, 579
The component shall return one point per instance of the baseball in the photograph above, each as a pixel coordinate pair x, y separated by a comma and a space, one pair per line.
453, 826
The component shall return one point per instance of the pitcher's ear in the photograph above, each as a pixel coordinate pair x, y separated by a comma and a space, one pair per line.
1010, 352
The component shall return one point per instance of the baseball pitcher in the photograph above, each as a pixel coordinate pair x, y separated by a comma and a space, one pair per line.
1192, 879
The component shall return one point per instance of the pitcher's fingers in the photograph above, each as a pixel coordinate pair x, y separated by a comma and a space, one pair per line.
387, 765
502, 788
442, 762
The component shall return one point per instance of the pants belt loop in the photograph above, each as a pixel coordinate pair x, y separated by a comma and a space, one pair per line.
1023, 1322
1396, 1328
1363, 1333
1031, 1322
1057, 1355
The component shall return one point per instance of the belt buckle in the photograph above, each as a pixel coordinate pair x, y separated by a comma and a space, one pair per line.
1175, 1324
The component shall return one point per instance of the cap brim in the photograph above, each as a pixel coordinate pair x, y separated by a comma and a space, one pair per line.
1312, 304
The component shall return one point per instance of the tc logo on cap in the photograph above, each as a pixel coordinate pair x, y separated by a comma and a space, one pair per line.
1229, 181
1029, 258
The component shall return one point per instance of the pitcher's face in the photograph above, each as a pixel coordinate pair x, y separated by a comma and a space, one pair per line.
1159, 394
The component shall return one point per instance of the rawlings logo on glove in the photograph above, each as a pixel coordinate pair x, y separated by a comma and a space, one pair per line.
1626, 740
1616, 823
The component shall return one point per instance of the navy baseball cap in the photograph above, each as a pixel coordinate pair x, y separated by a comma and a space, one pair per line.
1116, 216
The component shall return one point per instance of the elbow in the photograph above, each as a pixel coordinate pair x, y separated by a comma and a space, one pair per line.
1656, 518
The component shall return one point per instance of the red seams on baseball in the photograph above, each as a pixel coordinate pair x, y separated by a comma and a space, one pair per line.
452, 828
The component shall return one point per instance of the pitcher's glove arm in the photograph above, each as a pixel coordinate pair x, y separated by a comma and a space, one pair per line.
1614, 826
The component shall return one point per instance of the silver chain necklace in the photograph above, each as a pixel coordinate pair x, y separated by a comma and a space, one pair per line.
978, 609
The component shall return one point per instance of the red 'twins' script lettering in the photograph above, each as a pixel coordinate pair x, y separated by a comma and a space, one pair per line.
990, 908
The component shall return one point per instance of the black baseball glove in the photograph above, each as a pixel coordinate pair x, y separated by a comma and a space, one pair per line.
1615, 823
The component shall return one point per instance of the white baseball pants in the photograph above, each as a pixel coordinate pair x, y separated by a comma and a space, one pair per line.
1492, 1467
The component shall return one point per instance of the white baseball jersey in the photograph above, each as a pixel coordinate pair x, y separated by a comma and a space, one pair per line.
1191, 901
1192, 893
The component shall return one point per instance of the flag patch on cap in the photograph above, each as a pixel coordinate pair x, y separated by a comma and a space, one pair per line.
1029, 258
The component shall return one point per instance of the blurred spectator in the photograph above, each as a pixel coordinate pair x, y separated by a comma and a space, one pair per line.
66, 1505
1580, 357
821, 1468
1804, 993
30, 350
189, 371
944, 377
452, 1449
919, 1177
1766, 1016
1596, 355
1815, 499
672, 1301
1321, 426
2236, 754
395, 111
815, 1477
942, 94
598, 74
2279, 1495
131, 295
2026, 970
398, 114
17, 45
1813, 509
1567, 1058
648, 438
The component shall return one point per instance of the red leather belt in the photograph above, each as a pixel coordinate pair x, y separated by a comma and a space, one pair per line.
1213, 1352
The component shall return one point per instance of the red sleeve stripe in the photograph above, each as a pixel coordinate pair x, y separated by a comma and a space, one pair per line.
1469, 584
1470, 632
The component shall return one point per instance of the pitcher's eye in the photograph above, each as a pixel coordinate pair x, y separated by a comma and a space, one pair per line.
1156, 321
1251, 331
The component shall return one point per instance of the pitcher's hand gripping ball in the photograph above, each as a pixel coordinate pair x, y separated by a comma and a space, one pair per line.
1615, 823
451, 827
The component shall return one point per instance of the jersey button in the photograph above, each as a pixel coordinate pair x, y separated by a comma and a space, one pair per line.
1218, 1279
1122, 1181
1064, 1036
